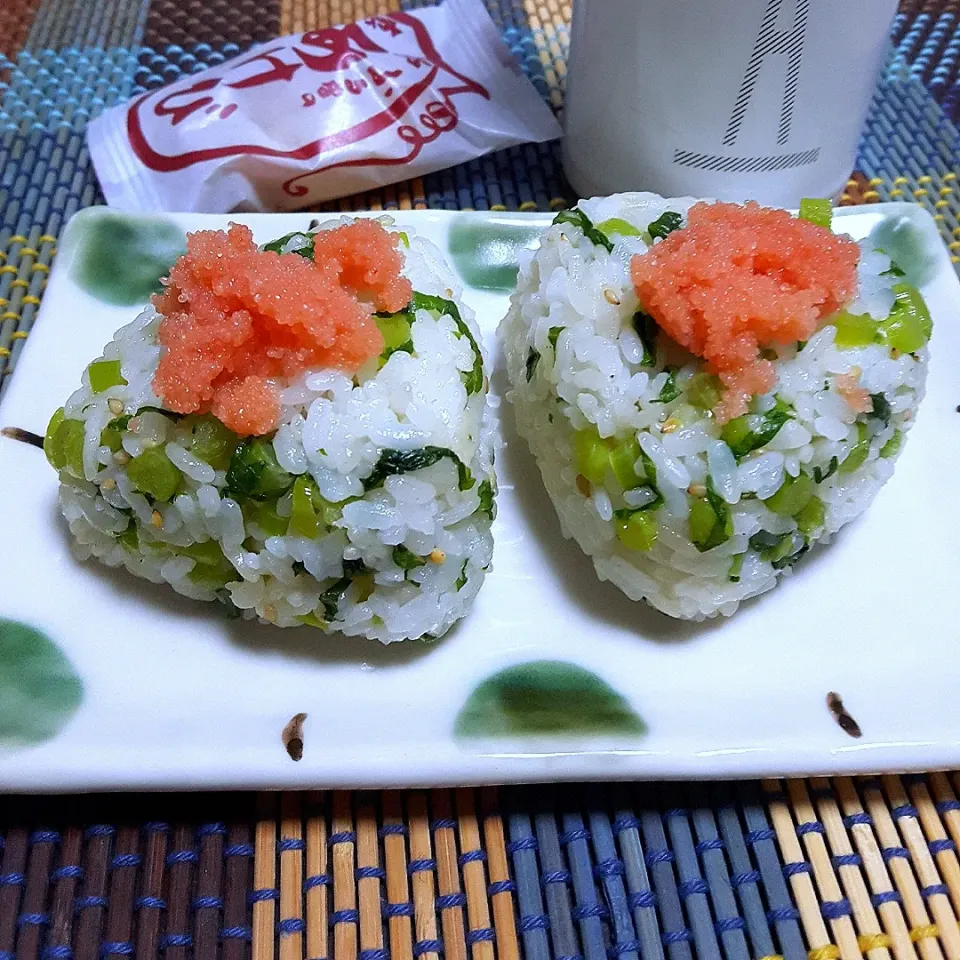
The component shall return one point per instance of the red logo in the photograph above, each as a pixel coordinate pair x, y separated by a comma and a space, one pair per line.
381, 80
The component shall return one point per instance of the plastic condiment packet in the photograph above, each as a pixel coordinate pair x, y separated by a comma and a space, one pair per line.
322, 114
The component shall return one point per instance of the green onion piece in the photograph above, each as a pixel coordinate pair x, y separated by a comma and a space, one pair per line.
772, 547
395, 328
703, 391
486, 494
794, 494
304, 521
312, 620
533, 358
665, 224
68, 447
623, 459
211, 441
617, 225
404, 238
406, 559
461, 581
856, 457
881, 409
592, 455
112, 434
855, 329
553, 335
265, 516
819, 475
636, 529
669, 391
152, 473
645, 328
105, 374
51, 447
754, 430
892, 447
811, 517
736, 565
909, 326
816, 211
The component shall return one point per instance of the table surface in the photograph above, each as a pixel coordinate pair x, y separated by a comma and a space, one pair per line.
816, 868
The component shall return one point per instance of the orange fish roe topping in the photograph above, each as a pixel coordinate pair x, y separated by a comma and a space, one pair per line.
236, 318
737, 279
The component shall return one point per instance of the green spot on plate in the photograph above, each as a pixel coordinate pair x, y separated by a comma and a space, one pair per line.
121, 259
39, 690
546, 698
904, 242
486, 253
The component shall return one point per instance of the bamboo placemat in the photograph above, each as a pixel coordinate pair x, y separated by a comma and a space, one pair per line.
817, 869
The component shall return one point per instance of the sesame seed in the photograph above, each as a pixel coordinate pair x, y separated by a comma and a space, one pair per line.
583, 485
697, 490
115, 406
437, 555
611, 298
669, 425
108, 483
121, 457
156, 518
270, 612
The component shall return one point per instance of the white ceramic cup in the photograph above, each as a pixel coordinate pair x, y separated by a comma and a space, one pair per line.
732, 99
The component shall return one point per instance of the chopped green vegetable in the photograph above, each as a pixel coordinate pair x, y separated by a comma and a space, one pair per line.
772, 547
395, 328
664, 224
703, 391
816, 211
461, 581
130, 538
305, 251
354, 571
669, 391
909, 326
473, 379
855, 329
578, 218
553, 335
255, 471
52, 448
819, 476
210, 440
211, 567
592, 454
791, 558
265, 516
736, 565
617, 225
645, 328
754, 430
881, 408
636, 529
856, 457
710, 520
892, 447
623, 460
533, 358
152, 473
112, 434
404, 239
312, 620
406, 559
304, 521
395, 462
794, 494
811, 517
485, 492
105, 374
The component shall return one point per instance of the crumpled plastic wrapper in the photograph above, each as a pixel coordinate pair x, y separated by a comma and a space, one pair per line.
322, 114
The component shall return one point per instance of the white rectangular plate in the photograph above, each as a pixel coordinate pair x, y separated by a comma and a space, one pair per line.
176, 697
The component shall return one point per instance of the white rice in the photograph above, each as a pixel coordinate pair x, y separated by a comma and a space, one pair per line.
593, 378
335, 429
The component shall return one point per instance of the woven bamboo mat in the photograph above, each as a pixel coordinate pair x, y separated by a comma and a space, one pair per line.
818, 869
801, 870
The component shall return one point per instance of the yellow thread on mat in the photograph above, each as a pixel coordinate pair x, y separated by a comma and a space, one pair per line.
920, 193
557, 203
30, 298
944, 191
940, 204
527, 205
498, 207
851, 183
4, 352
949, 176
28, 252
900, 180
41, 266
871, 195
8, 268
954, 245
874, 941
773, 956
19, 283
926, 178
896, 193
924, 932
875, 181
830, 952
19, 335
9, 315
17, 238
46, 238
